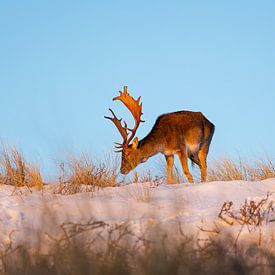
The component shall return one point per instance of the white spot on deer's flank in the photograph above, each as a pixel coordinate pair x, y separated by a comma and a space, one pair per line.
192, 148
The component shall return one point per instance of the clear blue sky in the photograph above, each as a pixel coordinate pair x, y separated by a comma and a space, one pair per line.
61, 63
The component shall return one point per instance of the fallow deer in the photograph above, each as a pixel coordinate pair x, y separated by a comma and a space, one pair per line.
185, 133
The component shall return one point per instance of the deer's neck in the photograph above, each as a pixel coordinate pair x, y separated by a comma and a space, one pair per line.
148, 146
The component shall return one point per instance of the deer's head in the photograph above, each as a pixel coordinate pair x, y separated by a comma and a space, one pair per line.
130, 153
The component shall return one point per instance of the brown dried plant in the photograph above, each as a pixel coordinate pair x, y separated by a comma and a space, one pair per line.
227, 168
16, 171
83, 174
250, 213
99, 248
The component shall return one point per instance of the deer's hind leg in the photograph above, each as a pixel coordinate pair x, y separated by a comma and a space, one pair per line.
195, 159
170, 163
202, 155
183, 157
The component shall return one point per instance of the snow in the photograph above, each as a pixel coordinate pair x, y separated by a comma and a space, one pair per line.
195, 206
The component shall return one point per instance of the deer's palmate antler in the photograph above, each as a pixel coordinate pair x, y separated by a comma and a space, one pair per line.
135, 107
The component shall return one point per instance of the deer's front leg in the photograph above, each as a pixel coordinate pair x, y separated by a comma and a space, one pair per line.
170, 163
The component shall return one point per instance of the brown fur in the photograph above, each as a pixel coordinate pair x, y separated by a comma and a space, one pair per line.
187, 134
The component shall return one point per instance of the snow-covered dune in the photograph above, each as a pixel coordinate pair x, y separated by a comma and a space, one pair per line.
194, 206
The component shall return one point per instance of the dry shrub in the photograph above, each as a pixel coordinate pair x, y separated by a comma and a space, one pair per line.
101, 248
16, 171
251, 212
227, 169
83, 174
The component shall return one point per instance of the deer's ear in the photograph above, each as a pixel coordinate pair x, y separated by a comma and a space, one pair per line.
135, 143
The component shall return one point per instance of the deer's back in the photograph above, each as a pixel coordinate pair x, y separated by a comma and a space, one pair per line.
174, 130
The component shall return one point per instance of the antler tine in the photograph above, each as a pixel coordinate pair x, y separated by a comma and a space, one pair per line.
122, 130
118, 145
134, 106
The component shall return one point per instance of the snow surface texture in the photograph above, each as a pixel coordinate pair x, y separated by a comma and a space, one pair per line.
194, 206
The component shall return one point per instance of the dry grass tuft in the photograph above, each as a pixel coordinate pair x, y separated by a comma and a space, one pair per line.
139, 192
16, 171
147, 176
227, 169
80, 174
83, 174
